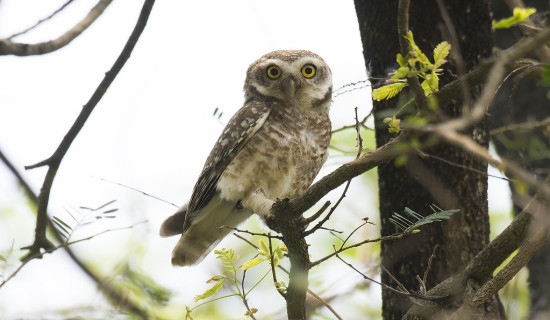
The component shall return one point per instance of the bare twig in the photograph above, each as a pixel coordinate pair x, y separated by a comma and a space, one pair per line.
54, 161
7, 47
315, 216
64, 245
113, 292
342, 248
521, 126
41, 21
404, 292
494, 78
508, 167
269, 236
140, 191
362, 123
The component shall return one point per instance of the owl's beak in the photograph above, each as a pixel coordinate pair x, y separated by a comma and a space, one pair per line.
289, 87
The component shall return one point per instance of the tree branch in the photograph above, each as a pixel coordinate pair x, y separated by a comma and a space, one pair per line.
55, 160
481, 268
39, 22
7, 47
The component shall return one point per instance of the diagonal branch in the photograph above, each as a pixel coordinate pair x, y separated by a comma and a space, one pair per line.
55, 160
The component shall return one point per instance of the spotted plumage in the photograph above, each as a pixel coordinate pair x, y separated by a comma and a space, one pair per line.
273, 147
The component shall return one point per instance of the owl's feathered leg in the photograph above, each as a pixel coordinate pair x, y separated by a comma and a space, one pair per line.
205, 232
259, 203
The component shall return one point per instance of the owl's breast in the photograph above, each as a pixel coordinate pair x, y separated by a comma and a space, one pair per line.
282, 159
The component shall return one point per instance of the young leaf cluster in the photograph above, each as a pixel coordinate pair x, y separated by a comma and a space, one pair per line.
519, 15
415, 64
230, 274
410, 221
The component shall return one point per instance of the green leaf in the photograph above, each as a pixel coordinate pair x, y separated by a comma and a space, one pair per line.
520, 15
388, 91
411, 220
210, 292
216, 278
401, 73
62, 227
250, 263
263, 248
401, 60
430, 84
441, 52
412, 45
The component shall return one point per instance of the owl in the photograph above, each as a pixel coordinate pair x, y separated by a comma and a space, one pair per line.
273, 147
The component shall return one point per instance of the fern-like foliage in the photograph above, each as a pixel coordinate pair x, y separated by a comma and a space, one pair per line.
410, 221
83, 217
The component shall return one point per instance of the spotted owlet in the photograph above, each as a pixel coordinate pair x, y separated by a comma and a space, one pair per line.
273, 147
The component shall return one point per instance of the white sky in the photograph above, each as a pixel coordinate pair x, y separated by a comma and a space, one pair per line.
154, 127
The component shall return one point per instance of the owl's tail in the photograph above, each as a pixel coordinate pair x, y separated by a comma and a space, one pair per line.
205, 232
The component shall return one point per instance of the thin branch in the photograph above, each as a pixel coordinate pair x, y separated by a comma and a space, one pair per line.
405, 293
362, 123
28, 190
313, 294
115, 294
41, 21
7, 47
510, 168
454, 164
55, 160
65, 245
521, 126
269, 236
140, 191
273, 272
315, 216
494, 78
342, 249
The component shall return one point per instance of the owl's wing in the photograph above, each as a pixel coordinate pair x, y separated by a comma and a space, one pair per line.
242, 126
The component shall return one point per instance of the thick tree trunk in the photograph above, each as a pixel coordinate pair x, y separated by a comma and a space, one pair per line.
428, 180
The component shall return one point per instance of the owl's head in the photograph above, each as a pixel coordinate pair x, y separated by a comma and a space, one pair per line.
295, 77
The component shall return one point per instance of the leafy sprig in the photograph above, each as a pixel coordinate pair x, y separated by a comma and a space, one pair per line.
231, 275
519, 15
415, 64
410, 221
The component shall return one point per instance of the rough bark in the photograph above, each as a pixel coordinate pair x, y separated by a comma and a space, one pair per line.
428, 180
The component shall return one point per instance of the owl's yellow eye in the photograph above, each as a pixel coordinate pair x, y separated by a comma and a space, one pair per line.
273, 72
309, 70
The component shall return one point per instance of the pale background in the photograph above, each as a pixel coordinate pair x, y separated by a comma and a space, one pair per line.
153, 130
